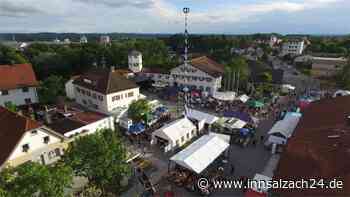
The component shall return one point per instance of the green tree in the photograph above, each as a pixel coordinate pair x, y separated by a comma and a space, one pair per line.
101, 158
10, 56
51, 88
236, 70
10, 106
33, 178
138, 109
343, 77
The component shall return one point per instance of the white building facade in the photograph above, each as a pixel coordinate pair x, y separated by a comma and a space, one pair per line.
20, 96
135, 61
293, 47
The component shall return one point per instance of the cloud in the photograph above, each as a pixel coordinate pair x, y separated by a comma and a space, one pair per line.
121, 3
17, 9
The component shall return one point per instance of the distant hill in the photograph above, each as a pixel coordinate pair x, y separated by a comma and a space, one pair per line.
46, 36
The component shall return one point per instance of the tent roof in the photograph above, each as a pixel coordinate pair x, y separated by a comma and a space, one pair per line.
199, 116
224, 96
260, 177
244, 98
232, 123
201, 153
175, 130
286, 126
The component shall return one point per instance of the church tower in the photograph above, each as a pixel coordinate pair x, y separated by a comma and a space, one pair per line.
135, 61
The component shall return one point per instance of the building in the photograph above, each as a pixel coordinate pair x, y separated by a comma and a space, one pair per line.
75, 123
200, 73
105, 40
293, 47
104, 90
18, 84
24, 139
83, 40
135, 61
319, 148
175, 134
327, 67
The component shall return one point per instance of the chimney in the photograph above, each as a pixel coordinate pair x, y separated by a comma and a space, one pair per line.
112, 69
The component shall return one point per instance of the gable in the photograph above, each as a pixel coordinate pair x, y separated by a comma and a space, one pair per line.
190, 70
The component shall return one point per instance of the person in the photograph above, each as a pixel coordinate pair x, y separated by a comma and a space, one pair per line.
232, 169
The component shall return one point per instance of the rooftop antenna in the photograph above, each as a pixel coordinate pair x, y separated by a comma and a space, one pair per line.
186, 11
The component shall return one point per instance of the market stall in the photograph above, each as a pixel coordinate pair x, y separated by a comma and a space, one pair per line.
224, 96
199, 117
174, 134
201, 153
243, 98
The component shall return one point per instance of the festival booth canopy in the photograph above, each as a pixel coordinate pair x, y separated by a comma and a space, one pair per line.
201, 153
199, 116
137, 128
287, 88
255, 103
231, 123
286, 126
265, 179
225, 96
175, 130
341, 93
239, 115
243, 98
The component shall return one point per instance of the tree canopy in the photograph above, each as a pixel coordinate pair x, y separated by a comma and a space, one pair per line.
33, 178
236, 70
51, 88
343, 77
10, 56
139, 109
101, 158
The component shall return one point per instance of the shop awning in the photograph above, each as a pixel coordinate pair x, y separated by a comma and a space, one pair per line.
201, 153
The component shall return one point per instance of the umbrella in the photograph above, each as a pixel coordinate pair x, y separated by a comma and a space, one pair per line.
255, 104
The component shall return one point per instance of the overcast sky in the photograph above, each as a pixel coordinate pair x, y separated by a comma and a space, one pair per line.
165, 16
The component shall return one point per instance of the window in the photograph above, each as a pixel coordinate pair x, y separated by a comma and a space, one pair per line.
28, 100
115, 98
188, 136
25, 89
78, 90
94, 96
100, 98
34, 132
177, 142
88, 93
4, 92
84, 101
192, 132
182, 138
25, 148
130, 94
46, 139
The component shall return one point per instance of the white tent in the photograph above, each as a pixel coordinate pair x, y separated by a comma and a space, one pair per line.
176, 133
286, 126
224, 96
260, 183
287, 88
232, 123
244, 98
341, 93
199, 116
201, 153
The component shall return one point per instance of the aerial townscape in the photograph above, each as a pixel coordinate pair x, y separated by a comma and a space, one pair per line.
173, 114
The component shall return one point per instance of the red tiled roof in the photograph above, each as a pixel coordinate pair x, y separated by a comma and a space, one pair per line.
88, 117
17, 76
208, 65
319, 148
12, 128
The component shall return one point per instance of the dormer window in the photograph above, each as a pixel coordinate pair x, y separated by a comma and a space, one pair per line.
34, 132
46, 139
25, 148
